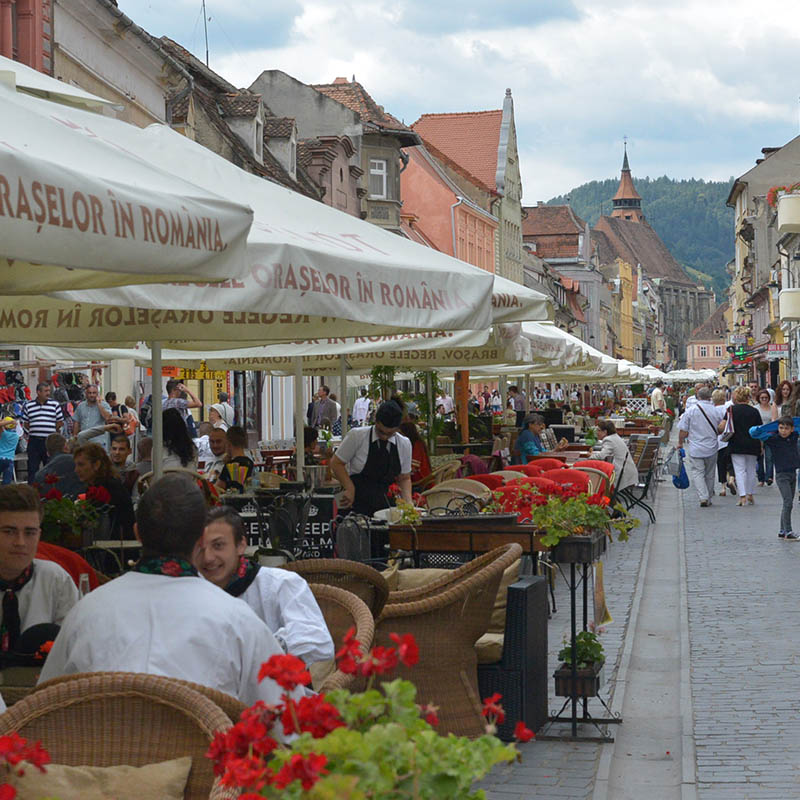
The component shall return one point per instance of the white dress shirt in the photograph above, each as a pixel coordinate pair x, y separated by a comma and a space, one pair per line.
361, 410
284, 601
354, 450
702, 432
47, 597
183, 628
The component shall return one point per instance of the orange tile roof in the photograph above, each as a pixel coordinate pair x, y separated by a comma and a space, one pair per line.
549, 220
470, 139
355, 97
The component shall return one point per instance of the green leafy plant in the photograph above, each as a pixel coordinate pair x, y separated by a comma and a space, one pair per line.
381, 382
588, 650
376, 744
65, 519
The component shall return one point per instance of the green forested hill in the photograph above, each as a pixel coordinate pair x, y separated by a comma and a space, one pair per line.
690, 216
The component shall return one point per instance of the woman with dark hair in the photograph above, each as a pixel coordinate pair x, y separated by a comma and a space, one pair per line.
420, 463
764, 468
282, 599
613, 445
782, 406
744, 449
179, 449
93, 467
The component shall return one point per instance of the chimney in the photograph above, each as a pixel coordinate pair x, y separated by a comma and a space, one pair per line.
340, 80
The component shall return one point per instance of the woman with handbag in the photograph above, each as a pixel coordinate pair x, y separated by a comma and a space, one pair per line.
724, 466
745, 450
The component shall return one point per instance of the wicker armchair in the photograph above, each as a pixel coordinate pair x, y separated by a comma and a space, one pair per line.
342, 610
106, 719
447, 617
362, 580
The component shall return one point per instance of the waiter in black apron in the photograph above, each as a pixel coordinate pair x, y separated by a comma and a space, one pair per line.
370, 459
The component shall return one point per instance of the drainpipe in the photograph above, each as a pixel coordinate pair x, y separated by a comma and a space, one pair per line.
453, 223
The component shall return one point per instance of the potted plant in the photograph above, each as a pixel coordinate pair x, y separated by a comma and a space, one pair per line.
589, 660
376, 744
69, 522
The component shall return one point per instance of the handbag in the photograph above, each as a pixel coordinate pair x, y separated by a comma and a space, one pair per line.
681, 480
727, 434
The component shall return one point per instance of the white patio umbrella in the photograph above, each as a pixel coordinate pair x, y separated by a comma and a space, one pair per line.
77, 209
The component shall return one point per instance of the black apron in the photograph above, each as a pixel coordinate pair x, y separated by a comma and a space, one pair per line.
372, 483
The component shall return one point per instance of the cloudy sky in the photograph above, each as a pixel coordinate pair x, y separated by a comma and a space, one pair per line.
697, 86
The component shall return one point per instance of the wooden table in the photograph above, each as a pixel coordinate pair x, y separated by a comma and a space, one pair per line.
463, 536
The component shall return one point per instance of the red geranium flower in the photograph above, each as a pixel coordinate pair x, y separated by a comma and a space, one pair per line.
53, 494
522, 733
407, 648
429, 714
286, 670
349, 655
51, 478
7, 792
379, 661
492, 709
312, 715
306, 769
98, 494
172, 568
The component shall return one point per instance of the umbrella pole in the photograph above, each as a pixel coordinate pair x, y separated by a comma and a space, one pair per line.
158, 419
528, 393
299, 417
343, 392
431, 410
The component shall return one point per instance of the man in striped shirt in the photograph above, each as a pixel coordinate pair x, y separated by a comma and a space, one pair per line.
41, 417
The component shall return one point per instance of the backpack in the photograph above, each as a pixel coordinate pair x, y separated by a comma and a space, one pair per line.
146, 415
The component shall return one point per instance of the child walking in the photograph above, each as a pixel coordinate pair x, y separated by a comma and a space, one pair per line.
783, 446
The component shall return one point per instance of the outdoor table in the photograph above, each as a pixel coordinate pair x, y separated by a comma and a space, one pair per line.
470, 447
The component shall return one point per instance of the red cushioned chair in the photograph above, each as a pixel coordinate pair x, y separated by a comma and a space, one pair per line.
545, 464
545, 484
533, 470
492, 481
569, 476
603, 466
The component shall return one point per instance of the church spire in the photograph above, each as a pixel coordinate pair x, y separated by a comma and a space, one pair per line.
627, 201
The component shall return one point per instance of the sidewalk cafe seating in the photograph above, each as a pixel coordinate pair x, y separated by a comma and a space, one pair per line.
362, 580
565, 477
443, 472
533, 470
545, 484
447, 616
455, 494
341, 610
507, 475
646, 465
548, 462
118, 718
491, 481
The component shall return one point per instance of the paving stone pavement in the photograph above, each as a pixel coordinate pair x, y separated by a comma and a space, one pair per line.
555, 769
745, 657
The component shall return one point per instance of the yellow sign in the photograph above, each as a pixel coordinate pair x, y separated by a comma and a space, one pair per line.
203, 375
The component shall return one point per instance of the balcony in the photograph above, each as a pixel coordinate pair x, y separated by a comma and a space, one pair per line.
789, 213
789, 301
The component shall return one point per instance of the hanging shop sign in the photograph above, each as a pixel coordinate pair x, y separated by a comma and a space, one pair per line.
776, 351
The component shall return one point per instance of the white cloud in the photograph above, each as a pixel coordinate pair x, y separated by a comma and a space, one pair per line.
698, 86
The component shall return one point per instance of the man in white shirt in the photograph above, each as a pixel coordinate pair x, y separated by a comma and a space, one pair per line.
699, 425
361, 408
657, 401
370, 459
34, 591
163, 618
218, 445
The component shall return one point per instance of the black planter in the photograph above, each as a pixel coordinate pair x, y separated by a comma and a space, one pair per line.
580, 549
587, 681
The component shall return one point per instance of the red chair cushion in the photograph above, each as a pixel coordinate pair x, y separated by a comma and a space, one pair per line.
492, 481
545, 484
603, 466
544, 464
573, 476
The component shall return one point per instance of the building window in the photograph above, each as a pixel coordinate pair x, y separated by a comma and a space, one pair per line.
703, 351
259, 148
378, 178
717, 351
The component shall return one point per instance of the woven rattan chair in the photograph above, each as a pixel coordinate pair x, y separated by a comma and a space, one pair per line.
342, 610
362, 580
447, 617
108, 719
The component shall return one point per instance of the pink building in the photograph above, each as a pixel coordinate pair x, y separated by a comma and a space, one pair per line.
26, 32
706, 346
436, 210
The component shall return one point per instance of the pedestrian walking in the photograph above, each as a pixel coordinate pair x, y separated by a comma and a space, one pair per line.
745, 450
724, 466
764, 467
699, 425
41, 417
782, 397
783, 448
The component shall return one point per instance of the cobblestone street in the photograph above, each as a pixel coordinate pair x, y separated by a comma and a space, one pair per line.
731, 685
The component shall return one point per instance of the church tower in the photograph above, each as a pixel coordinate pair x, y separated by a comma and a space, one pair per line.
627, 201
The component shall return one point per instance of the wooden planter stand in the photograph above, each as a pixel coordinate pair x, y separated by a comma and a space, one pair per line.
587, 680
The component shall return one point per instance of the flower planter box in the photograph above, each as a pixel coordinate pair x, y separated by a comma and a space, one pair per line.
580, 549
587, 680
